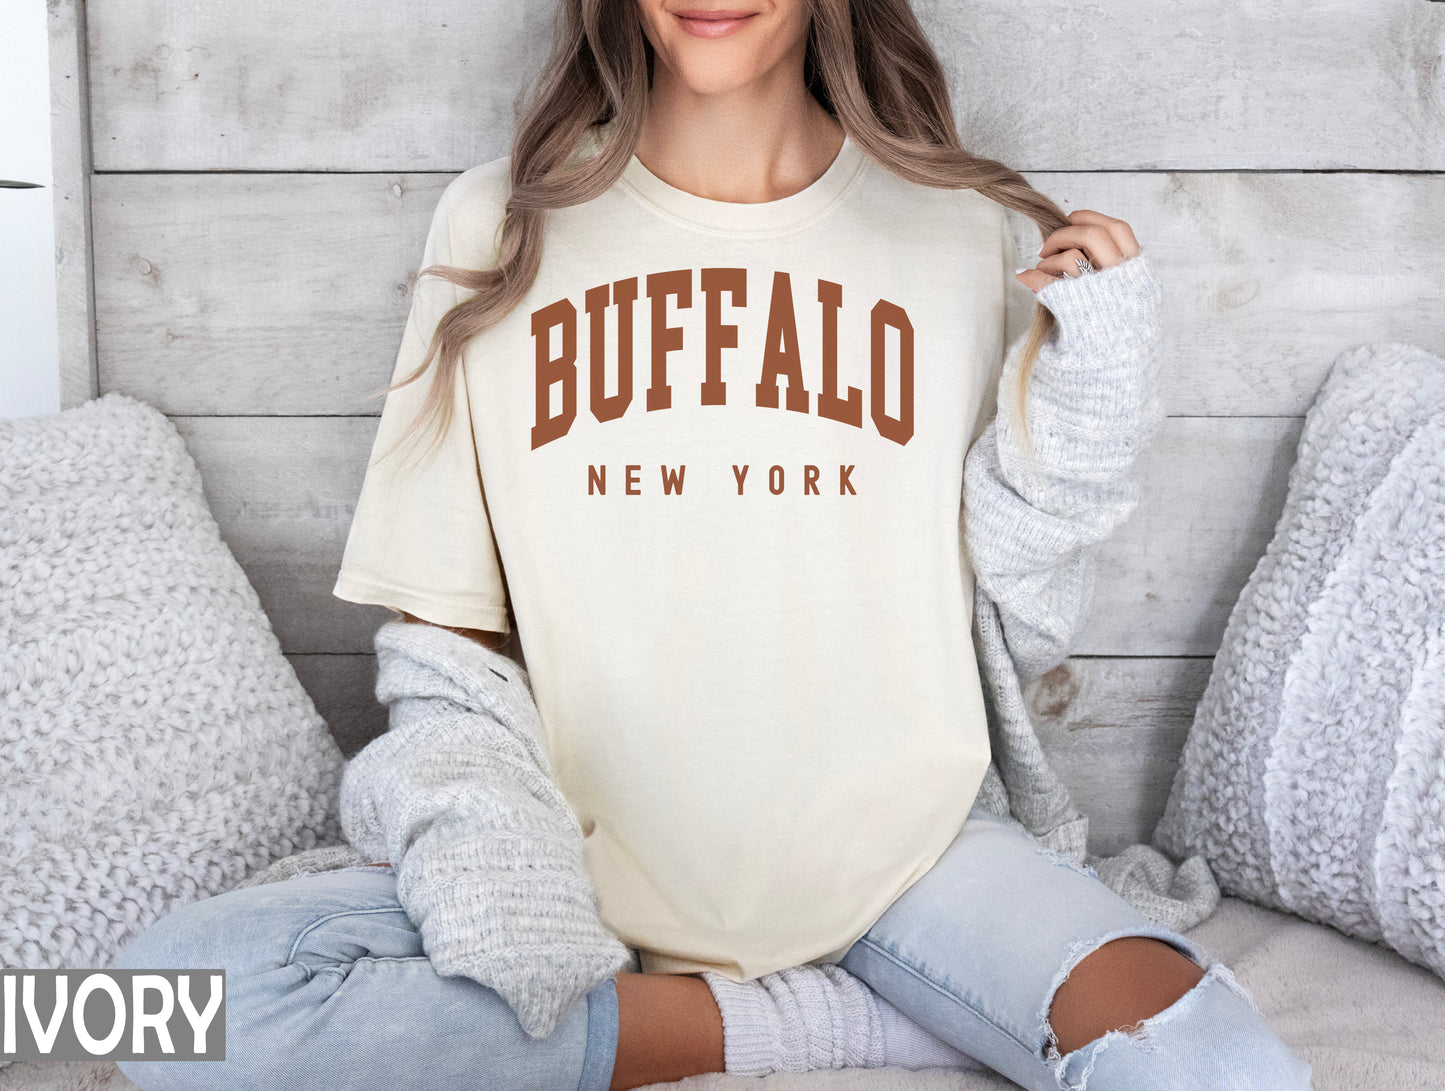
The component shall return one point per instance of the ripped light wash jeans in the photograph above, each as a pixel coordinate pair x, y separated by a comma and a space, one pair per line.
327, 986
975, 949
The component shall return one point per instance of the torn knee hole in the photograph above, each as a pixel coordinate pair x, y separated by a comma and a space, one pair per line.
1139, 1029
1078, 951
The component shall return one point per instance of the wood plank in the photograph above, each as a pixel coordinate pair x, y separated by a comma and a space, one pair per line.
343, 688
372, 85
283, 490
70, 169
1267, 278
1213, 489
1114, 730
331, 85
266, 293
256, 293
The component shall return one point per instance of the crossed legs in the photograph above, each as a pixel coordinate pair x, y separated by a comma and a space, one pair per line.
670, 1028
1003, 953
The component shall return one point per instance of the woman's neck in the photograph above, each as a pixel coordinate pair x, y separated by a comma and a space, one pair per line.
745, 147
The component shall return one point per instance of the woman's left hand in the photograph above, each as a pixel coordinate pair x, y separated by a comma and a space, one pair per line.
1102, 240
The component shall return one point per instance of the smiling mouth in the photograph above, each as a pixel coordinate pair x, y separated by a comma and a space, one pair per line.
713, 24
706, 15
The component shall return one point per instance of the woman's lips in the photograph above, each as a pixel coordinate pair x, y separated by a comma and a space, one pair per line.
702, 23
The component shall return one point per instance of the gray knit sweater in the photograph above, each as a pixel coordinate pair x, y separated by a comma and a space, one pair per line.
458, 793
1031, 527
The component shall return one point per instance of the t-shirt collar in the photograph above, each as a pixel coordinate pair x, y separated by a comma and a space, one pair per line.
788, 213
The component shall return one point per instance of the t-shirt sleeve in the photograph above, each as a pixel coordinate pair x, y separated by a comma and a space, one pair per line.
421, 538
1018, 315
1019, 300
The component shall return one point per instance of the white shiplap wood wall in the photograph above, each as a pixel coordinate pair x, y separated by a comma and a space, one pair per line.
263, 175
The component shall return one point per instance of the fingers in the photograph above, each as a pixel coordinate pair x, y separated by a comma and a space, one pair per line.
1103, 240
1062, 264
1034, 279
1066, 263
1098, 239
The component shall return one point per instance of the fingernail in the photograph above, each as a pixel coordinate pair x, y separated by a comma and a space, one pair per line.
1022, 269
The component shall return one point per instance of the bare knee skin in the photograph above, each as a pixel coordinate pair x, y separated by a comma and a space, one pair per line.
669, 1028
1116, 986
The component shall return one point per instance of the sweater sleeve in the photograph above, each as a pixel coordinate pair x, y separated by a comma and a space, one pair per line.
459, 796
1032, 522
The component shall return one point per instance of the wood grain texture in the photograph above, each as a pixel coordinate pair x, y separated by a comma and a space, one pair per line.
71, 174
1068, 85
282, 491
1114, 729
1213, 489
343, 688
1267, 277
256, 293
330, 85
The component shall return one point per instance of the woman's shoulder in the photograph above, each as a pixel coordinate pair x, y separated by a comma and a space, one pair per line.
469, 213
931, 216
981, 204
479, 192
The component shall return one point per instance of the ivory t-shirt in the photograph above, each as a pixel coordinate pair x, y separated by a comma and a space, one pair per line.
711, 467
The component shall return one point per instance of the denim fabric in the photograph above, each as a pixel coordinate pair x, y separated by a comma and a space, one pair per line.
975, 949
327, 985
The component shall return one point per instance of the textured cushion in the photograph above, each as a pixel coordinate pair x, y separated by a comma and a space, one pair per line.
156, 746
1313, 778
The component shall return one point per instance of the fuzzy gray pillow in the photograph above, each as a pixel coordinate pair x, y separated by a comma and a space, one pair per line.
1313, 778
156, 746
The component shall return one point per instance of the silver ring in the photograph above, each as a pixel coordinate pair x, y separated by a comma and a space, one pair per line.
1085, 266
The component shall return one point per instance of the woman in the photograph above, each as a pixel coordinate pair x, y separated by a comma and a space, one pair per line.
732, 314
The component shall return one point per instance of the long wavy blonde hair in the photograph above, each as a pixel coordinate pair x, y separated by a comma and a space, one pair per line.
868, 63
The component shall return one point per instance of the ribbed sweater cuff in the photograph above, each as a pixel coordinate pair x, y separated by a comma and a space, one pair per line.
1097, 310
1092, 397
